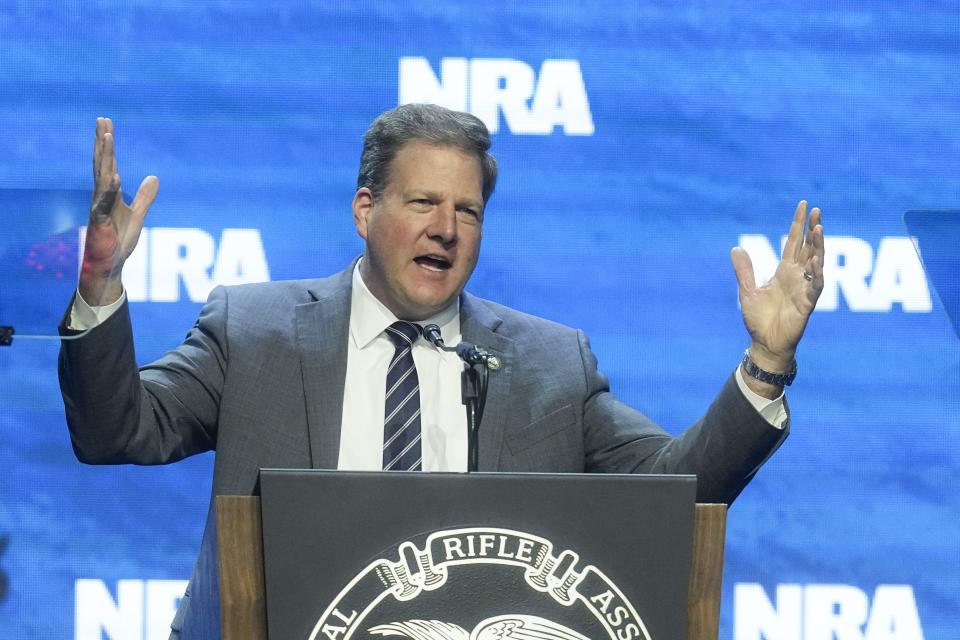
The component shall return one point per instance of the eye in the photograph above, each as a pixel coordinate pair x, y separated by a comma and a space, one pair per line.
473, 213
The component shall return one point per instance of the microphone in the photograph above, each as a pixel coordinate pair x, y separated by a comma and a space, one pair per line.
469, 353
432, 333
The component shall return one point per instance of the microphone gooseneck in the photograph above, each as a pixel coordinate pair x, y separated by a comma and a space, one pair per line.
473, 385
469, 353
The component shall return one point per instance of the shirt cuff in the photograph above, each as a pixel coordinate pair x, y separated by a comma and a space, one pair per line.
773, 411
83, 316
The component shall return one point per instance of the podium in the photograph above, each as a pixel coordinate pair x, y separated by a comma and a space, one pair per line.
332, 555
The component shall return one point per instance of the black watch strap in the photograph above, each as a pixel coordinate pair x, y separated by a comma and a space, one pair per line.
776, 379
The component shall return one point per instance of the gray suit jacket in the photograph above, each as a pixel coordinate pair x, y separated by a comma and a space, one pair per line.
260, 379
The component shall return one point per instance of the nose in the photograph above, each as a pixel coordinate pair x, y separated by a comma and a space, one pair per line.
443, 225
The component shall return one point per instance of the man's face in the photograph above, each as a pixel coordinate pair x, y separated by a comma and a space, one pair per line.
423, 232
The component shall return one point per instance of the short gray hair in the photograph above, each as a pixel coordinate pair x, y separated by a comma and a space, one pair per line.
428, 123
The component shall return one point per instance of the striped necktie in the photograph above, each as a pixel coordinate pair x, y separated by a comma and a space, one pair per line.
401, 409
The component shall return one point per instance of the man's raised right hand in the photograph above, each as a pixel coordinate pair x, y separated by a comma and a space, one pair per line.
114, 226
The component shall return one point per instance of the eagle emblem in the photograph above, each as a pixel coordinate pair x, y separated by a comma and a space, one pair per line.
508, 627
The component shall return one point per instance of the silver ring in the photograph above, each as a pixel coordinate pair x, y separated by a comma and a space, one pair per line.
808, 276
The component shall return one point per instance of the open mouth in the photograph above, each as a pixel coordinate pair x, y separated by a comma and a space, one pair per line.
433, 262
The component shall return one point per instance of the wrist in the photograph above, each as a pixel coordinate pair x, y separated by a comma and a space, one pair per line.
763, 389
769, 380
98, 291
773, 361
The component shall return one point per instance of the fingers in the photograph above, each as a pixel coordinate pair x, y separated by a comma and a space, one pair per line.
791, 250
107, 193
808, 243
818, 242
743, 268
105, 169
104, 126
814, 261
814, 218
815, 267
96, 150
113, 153
146, 194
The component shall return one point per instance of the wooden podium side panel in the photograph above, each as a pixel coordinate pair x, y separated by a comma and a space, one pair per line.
243, 610
706, 572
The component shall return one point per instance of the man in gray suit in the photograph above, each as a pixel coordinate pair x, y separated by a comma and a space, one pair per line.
298, 374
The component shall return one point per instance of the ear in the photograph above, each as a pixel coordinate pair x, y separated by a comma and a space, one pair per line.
362, 210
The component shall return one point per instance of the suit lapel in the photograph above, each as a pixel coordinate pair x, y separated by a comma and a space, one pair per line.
322, 333
323, 328
478, 325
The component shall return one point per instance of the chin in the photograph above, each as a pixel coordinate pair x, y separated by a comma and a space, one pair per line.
426, 307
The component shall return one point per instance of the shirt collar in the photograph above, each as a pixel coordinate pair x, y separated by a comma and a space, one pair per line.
369, 317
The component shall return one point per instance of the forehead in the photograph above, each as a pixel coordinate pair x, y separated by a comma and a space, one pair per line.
421, 165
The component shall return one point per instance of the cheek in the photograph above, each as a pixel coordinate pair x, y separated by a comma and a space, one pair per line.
475, 248
388, 237
397, 233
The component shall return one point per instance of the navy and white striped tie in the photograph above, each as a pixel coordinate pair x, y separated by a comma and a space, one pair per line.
401, 409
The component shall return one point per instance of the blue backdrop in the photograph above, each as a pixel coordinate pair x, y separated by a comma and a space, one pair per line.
638, 143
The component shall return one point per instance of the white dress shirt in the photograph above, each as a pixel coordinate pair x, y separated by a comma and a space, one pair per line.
443, 418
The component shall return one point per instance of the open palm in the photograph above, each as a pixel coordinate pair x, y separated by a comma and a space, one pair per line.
777, 312
114, 226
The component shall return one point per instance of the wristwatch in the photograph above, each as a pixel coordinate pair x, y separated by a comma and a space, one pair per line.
776, 379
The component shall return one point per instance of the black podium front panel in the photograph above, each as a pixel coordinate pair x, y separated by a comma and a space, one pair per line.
476, 557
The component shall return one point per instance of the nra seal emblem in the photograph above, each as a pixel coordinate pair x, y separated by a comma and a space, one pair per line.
505, 584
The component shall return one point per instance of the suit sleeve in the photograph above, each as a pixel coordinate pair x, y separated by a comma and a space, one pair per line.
161, 413
724, 449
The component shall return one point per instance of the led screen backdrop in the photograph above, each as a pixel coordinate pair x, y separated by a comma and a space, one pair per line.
638, 142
